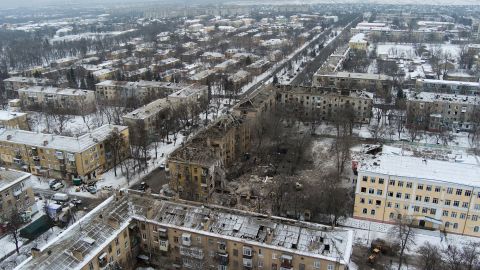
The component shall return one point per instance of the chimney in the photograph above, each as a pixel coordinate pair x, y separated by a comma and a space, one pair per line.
78, 255
35, 252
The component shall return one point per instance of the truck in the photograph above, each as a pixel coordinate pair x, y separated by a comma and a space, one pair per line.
60, 197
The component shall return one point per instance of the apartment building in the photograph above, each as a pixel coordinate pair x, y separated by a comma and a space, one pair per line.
358, 42
12, 84
130, 227
111, 91
347, 80
439, 111
13, 120
440, 195
191, 93
16, 194
56, 156
325, 103
74, 101
448, 87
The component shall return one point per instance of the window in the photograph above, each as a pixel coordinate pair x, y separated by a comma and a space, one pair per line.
455, 225
465, 204
418, 198
389, 204
391, 215
397, 205
362, 200
399, 195
118, 252
429, 188
462, 216
274, 256
247, 251
407, 196
433, 211
447, 224
316, 264
454, 214
435, 200
381, 181
330, 267
475, 229
392, 182
260, 264
475, 217
416, 208
371, 191
364, 179
449, 190
459, 191
445, 213
372, 212
456, 203
419, 186
370, 201
90, 266
378, 202
424, 210
235, 252
363, 189
379, 192
437, 189
372, 180
400, 183
390, 194
468, 193
427, 199
365, 210
409, 184
448, 202
477, 207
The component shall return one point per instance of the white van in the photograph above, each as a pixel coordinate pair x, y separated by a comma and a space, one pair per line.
61, 197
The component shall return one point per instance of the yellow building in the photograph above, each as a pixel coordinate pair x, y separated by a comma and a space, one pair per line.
63, 157
13, 120
436, 194
129, 228
358, 42
17, 194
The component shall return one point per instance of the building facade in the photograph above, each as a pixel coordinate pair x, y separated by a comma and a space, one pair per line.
12, 84
439, 195
13, 120
17, 194
448, 87
56, 156
346, 80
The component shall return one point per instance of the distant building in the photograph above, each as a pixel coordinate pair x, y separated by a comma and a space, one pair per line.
447, 87
347, 80
17, 194
13, 120
14, 83
129, 228
58, 156
75, 101
448, 111
325, 103
358, 42
439, 195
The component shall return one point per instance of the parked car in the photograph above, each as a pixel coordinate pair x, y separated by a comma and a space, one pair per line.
162, 166
76, 202
60, 197
143, 186
92, 189
109, 188
52, 182
57, 186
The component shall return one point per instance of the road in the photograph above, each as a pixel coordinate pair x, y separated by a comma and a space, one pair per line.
88, 203
155, 180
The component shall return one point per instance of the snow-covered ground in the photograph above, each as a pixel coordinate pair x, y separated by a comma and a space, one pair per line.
366, 231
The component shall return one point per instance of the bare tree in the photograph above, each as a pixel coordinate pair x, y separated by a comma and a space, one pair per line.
13, 224
114, 145
430, 256
452, 258
403, 234
471, 255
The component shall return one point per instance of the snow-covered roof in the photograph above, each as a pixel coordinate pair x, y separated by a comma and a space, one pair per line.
56, 91
189, 91
360, 37
10, 177
58, 142
423, 169
445, 82
8, 115
362, 76
149, 109
32, 80
450, 98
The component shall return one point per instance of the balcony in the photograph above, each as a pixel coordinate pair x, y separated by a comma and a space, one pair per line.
196, 253
286, 262
102, 260
222, 258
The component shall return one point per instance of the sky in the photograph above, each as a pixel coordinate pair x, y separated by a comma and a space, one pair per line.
37, 3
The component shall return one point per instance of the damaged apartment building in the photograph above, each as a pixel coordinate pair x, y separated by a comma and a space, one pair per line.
131, 229
325, 103
197, 168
